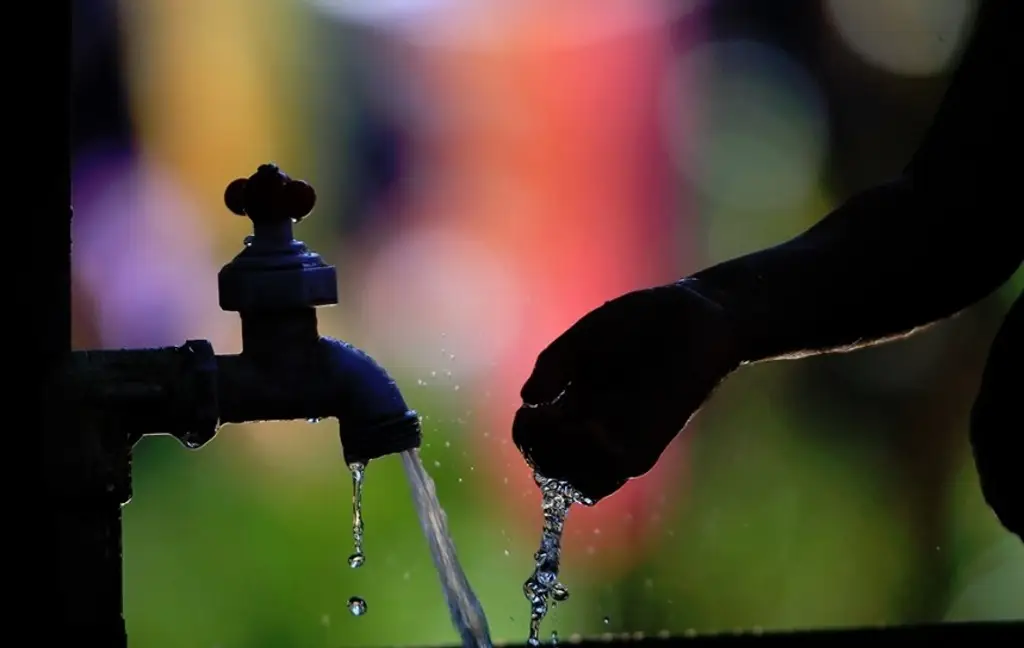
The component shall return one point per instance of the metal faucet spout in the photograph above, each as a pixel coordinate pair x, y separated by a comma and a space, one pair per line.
373, 418
321, 378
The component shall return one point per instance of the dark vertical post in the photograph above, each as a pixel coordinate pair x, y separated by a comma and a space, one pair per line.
88, 480
86, 467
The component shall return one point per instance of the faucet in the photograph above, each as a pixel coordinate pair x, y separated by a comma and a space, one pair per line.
104, 401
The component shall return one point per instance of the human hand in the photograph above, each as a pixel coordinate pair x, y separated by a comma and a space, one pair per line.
606, 398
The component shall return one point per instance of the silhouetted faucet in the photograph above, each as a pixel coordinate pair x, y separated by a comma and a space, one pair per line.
107, 400
286, 369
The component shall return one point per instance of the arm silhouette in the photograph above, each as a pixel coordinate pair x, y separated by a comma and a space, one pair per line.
907, 253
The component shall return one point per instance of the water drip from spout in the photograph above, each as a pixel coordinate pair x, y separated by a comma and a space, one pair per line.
356, 605
358, 474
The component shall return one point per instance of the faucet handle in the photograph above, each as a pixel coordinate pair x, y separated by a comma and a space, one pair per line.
274, 272
270, 196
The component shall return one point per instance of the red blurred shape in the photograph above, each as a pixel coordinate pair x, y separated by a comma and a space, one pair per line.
555, 160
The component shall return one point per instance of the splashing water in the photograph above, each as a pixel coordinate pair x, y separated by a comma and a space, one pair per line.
543, 589
358, 557
466, 612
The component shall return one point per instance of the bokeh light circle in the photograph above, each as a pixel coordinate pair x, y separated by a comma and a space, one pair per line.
761, 132
914, 38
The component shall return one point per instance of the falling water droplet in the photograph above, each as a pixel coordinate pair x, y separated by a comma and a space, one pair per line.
607, 620
559, 593
357, 606
358, 557
554, 637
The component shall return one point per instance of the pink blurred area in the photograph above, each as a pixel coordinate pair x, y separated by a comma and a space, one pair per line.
547, 193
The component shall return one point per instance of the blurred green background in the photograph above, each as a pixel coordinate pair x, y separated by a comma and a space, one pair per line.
487, 172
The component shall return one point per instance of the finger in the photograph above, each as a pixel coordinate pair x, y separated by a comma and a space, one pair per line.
559, 447
551, 373
558, 364
529, 429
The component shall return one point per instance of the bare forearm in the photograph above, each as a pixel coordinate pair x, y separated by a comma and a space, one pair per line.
908, 253
880, 266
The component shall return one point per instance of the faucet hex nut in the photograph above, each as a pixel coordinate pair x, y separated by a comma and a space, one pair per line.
296, 287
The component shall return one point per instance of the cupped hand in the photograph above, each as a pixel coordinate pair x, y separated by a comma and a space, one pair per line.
607, 397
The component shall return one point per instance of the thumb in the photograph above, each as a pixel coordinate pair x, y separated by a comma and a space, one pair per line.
560, 363
551, 373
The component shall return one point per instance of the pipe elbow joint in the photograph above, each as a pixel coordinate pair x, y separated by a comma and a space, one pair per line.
317, 379
373, 417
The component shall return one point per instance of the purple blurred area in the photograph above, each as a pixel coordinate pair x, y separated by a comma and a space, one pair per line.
138, 251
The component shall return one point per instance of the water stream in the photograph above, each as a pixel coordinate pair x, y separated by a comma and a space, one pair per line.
543, 589
466, 612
